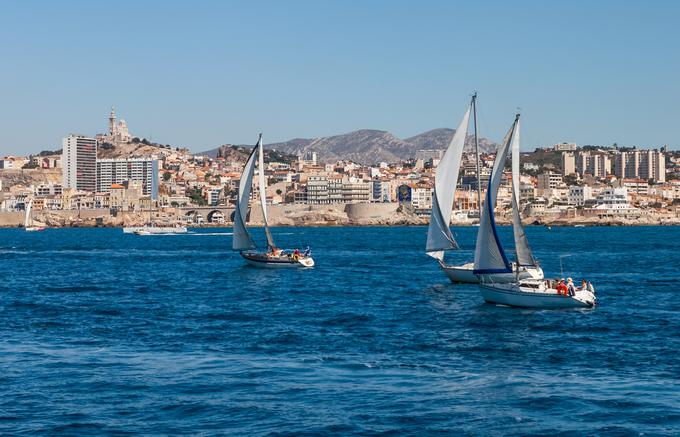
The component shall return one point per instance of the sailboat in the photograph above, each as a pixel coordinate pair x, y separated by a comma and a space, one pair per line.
520, 283
28, 219
242, 241
497, 264
439, 237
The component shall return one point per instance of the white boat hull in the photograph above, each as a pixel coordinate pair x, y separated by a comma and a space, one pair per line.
34, 228
155, 230
261, 260
464, 274
519, 296
460, 274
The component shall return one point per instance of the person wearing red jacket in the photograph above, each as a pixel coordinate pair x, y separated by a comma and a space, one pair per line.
562, 288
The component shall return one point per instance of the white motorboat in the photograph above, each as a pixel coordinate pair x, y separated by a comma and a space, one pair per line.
157, 230
28, 219
535, 294
272, 257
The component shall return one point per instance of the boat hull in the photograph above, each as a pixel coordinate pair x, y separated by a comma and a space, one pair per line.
464, 274
460, 274
153, 230
34, 228
261, 260
517, 296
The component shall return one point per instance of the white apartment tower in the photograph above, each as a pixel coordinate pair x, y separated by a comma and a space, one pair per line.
117, 171
79, 162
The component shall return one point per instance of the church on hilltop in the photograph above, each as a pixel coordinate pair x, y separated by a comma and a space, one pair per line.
118, 132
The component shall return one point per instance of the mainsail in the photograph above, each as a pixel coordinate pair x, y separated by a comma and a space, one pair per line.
242, 239
28, 219
524, 255
489, 254
263, 194
439, 236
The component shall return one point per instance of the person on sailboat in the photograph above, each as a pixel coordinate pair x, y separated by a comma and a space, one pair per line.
562, 287
570, 287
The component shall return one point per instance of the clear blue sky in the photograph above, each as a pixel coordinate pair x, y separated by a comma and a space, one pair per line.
205, 73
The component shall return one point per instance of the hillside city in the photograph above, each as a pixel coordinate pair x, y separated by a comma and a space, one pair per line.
117, 179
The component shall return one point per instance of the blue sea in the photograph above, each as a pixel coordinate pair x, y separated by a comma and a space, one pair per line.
106, 333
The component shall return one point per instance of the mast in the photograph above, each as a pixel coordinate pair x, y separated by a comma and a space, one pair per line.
479, 176
263, 194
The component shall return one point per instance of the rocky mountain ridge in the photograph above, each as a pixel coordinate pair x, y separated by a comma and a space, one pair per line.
369, 146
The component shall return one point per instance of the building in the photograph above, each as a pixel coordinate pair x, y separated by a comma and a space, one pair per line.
549, 181
578, 195
11, 162
652, 165
118, 132
598, 165
565, 147
117, 171
642, 164
79, 163
568, 163
612, 203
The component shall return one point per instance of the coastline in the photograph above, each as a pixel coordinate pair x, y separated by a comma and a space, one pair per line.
298, 215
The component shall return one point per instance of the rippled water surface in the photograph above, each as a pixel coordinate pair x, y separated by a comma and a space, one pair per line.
102, 332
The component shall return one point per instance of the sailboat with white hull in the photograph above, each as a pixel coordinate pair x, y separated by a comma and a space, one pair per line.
439, 237
242, 241
28, 219
520, 283
525, 265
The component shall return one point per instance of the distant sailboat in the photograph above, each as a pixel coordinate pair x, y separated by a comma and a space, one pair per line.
520, 283
28, 219
439, 237
242, 241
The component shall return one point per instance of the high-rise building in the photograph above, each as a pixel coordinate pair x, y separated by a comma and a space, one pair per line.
642, 164
597, 165
652, 165
117, 171
568, 163
79, 163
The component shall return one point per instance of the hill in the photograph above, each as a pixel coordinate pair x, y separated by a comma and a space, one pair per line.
368, 146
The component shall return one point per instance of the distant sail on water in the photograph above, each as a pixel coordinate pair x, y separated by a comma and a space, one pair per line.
242, 239
439, 237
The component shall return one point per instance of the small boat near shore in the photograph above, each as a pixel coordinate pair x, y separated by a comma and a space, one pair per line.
28, 219
272, 257
158, 230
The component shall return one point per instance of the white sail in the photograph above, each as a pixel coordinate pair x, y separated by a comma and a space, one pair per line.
489, 254
439, 236
242, 239
263, 194
28, 220
524, 255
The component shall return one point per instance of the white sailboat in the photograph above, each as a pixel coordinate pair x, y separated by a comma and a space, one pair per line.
242, 241
520, 283
28, 219
439, 237
497, 264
